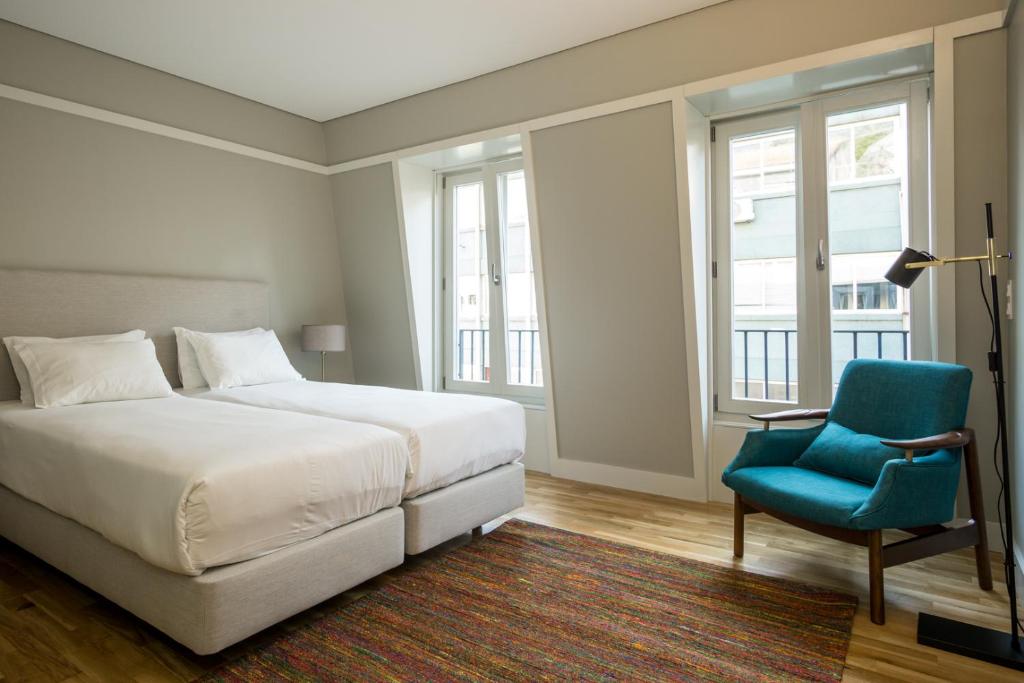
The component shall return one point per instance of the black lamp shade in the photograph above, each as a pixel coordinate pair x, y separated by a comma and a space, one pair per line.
900, 275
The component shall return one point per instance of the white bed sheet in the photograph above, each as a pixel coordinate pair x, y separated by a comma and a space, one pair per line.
450, 437
188, 485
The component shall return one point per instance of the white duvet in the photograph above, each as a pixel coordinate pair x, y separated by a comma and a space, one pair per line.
450, 437
190, 484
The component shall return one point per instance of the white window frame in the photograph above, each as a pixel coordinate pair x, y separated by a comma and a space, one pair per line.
916, 94
814, 293
498, 385
722, 284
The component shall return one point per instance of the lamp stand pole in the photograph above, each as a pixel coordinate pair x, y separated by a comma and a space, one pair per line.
968, 640
323, 366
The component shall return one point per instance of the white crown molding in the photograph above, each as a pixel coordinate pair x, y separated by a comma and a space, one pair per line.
971, 25
95, 113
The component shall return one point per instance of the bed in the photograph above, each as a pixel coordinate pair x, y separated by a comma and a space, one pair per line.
149, 502
174, 482
464, 450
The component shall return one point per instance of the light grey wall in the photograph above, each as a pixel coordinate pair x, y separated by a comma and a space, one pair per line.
717, 40
981, 166
1015, 127
606, 201
374, 277
418, 205
83, 195
52, 66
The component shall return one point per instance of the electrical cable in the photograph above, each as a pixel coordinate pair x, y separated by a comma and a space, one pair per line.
999, 436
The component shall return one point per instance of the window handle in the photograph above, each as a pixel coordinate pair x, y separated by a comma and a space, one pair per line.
495, 277
820, 261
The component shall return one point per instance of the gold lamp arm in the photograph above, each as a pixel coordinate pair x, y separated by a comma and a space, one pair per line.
991, 257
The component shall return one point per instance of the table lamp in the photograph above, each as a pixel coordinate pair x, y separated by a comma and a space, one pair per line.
323, 338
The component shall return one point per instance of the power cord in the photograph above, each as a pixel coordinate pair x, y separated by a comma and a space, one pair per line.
999, 436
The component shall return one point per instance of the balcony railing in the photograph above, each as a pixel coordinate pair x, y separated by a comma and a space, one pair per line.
775, 370
474, 356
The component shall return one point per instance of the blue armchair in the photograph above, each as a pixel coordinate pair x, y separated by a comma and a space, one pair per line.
886, 457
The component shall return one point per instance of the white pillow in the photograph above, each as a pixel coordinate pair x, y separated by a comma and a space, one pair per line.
89, 372
188, 365
19, 367
242, 360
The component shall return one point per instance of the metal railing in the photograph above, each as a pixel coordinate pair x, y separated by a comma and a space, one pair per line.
524, 356
787, 338
474, 358
474, 355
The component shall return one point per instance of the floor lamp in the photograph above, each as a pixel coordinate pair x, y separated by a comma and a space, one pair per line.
946, 634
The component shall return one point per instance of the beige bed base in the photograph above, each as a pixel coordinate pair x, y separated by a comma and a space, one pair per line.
223, 605
441, 515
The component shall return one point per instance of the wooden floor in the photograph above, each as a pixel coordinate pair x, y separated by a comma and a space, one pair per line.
52, 629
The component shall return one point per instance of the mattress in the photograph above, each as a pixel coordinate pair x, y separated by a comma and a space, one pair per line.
450, 437
188, 485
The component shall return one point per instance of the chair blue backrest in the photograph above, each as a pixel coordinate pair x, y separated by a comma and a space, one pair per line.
901, 399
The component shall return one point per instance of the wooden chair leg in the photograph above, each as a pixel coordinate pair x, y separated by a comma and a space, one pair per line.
875, 577
981, 557
737, 525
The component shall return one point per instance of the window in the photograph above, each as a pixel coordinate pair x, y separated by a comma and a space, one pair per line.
492, 331
760, 174
813, 204
868, 225
469, 278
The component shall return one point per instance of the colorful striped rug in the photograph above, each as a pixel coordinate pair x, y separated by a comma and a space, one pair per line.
531, 603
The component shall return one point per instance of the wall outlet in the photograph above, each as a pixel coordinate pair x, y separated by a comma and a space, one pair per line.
1009, 300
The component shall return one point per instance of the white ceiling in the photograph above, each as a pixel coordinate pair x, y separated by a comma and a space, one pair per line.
325, 58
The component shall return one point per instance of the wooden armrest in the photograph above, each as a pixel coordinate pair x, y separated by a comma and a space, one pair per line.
790, 415
799, 414
953, 439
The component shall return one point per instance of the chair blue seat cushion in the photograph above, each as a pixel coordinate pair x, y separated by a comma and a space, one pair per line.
845, 453
800, 492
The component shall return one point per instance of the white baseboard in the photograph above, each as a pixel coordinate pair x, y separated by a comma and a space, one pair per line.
671, 485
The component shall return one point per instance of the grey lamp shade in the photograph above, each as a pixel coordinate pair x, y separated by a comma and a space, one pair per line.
323, 337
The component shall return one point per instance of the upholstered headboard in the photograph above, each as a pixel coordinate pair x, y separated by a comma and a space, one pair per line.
66, 304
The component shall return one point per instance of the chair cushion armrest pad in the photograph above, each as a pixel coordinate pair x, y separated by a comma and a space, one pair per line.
778, 447
912, 493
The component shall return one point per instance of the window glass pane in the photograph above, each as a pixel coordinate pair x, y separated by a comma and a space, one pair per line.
778, 150
748, 281
863, 144
874, 147
764, 273
747, 156
746, 184
779, 180
868, 226
521, 321
472, 303
840, 154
